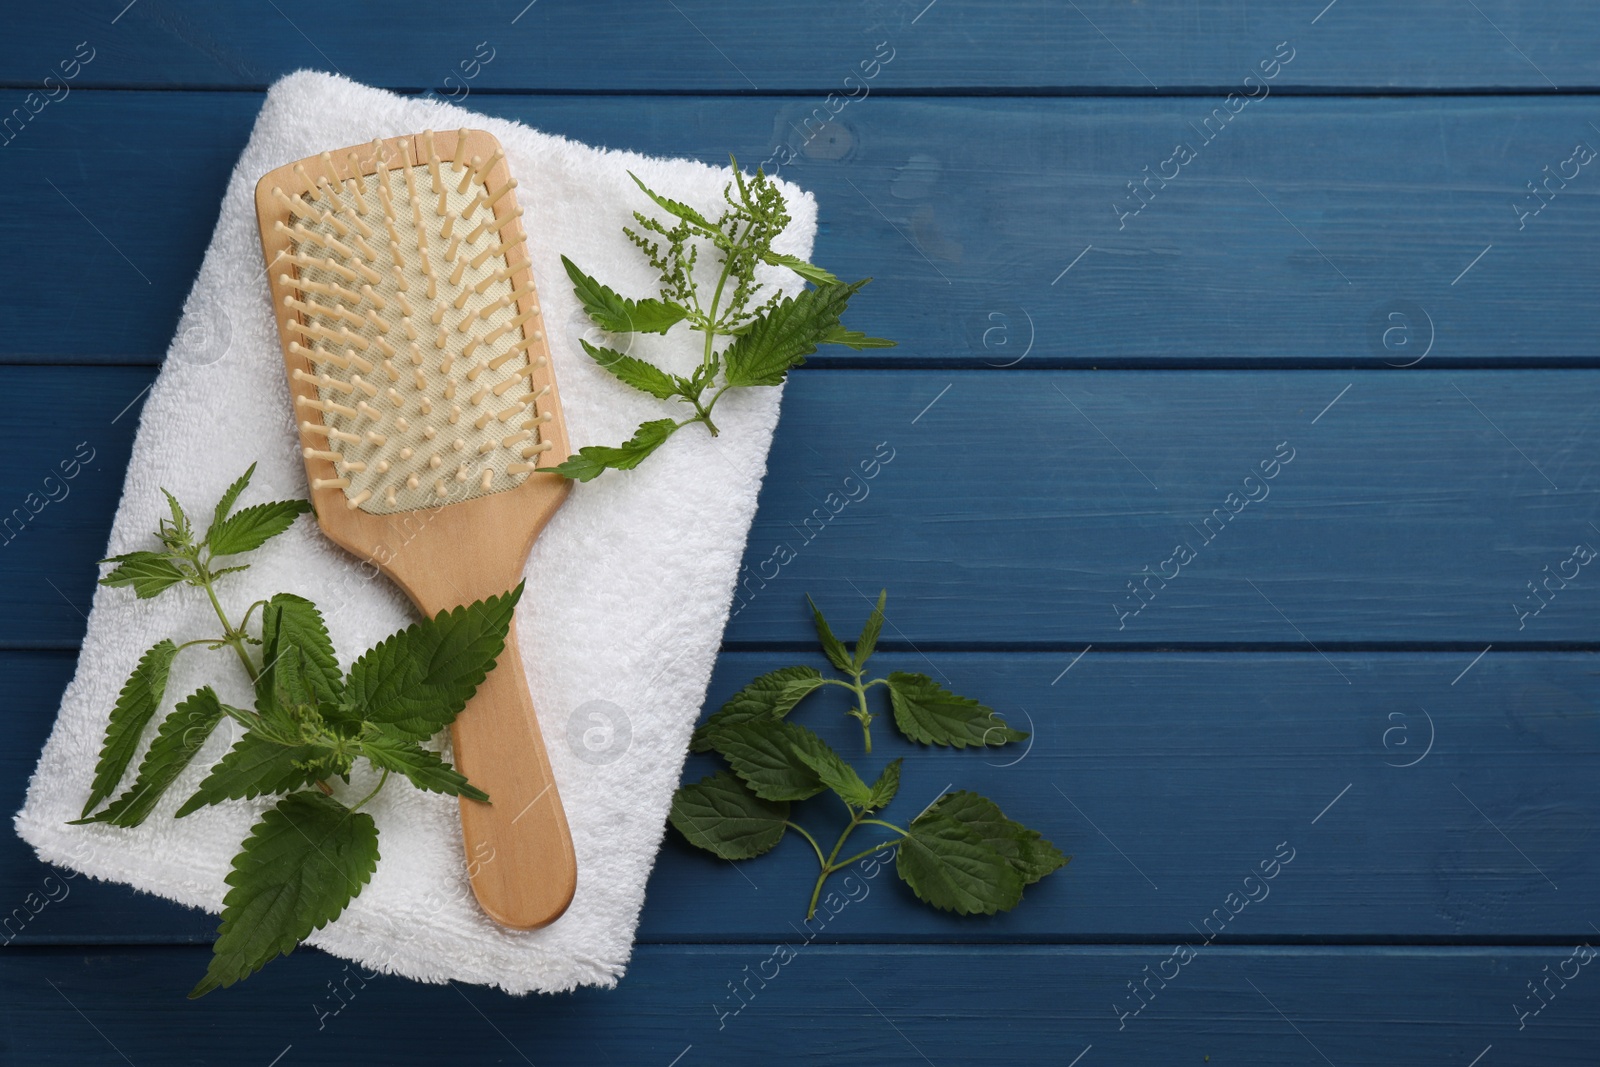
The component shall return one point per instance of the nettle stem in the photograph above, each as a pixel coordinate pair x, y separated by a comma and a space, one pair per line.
712, 326
235, 637
833, 863
860, 712
231, 635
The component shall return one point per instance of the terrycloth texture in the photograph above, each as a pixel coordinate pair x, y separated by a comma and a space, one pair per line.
628, 588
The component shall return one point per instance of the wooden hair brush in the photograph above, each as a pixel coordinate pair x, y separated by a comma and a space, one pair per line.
423, 392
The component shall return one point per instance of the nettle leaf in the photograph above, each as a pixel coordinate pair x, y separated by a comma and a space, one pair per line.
867, 643
229, 498
149, 573
1025, 849
180, 534
140, 697
786, 334
855, 339
297, 661
771, 696
885, 788
257, 765
180, 736
254, 526
813, 274
927, 712
682, 211
417, 681
646, 377
836, 652
770, 756
591, 460
721, 815
949, 865
426, 770
303, 862
834, 772
618, 314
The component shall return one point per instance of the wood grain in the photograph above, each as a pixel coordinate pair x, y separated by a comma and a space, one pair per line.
1415, 511
944, 45
1290, 241
1330, 233
902, 1005
1168, 777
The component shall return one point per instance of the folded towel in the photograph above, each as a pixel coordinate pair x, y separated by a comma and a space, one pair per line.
628, 588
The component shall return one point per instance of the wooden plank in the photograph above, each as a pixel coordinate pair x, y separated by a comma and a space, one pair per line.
1095, 45
1015, 508
1001, 232
825, 1005
1169, 777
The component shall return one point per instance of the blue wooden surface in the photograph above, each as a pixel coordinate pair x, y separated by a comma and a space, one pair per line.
966, 212
1079, 387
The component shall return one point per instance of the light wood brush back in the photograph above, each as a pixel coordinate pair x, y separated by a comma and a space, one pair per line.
422, 387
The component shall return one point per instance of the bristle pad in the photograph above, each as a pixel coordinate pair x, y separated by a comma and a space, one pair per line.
446, 437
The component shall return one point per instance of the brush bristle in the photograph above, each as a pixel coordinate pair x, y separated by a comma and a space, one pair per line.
402, 295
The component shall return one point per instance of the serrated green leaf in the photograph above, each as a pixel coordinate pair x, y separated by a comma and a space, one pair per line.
417, 681
682, 211
867, 643
255, 766
885, 788
810, 273
1025, 849
426, 770
618, 314
785, 335
177, 740
229, 498
834, 772
149, 573
304, 861
721, 815
591, 460
254, 526
140, 697
855, 339
831, 645
950, 866
771, 696
927, 712
297, 661
768, 754
646, 377
180, 534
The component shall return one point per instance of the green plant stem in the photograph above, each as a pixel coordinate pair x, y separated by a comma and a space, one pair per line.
703, 414
814, 846
234, 637
214, 642
863, 855
716, 298
712, 328
833, 863
381, 781
860, 711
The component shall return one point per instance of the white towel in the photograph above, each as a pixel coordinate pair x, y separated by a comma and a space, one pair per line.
628, 588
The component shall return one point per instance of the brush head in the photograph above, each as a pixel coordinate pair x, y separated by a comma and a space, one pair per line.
412, 331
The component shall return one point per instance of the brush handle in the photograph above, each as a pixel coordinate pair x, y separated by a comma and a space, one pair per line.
519, 850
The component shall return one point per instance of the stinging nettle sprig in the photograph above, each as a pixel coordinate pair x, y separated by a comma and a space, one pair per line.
960, 854
764, 341
311, 853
